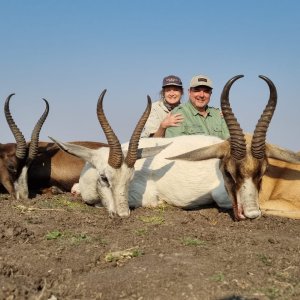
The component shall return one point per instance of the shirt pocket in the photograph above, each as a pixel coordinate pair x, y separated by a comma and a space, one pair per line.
217, 131
193, 129
217, 128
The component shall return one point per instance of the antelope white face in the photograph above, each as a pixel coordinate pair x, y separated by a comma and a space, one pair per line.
112, 188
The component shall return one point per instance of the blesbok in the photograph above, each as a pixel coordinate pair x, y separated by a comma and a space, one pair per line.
38, 166
257, 175
203, 167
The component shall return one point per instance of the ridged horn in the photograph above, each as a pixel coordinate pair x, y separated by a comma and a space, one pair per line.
237, 138
258, 144
115, 152
33, 148
19, 137
132, 153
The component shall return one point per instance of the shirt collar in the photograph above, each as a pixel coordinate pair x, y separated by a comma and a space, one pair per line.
168, 106
195, 111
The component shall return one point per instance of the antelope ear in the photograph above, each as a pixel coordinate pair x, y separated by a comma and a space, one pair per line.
80, 151
151, 151
212, 151
286, 155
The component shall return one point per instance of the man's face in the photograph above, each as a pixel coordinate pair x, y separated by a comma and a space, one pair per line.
200, 96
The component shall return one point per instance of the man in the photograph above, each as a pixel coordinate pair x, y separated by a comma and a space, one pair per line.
160, 117
198, 117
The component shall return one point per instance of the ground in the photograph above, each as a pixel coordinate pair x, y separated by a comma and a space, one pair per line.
59, 248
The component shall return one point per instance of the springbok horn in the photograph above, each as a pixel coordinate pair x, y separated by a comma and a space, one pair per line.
259, 136
33, 148
115, 152
237, 138
20, 140
132, 153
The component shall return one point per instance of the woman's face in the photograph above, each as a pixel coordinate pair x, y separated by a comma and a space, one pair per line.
172, 94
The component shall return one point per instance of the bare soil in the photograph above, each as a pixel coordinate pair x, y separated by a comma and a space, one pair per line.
59, 248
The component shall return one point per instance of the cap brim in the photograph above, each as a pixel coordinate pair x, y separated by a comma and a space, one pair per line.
172, 84
201, 84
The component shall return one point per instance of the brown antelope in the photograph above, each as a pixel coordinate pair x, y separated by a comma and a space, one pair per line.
258, 176
38, 166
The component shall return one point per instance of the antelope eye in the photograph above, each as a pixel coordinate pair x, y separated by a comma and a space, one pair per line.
11, 168
227, 174
104, 180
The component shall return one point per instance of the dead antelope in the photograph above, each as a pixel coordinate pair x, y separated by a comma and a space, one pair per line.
137, 174
257, 175
36, 166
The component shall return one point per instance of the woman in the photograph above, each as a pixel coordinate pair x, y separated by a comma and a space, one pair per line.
160, 117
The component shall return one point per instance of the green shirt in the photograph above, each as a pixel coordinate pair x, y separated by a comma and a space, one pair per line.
194, 123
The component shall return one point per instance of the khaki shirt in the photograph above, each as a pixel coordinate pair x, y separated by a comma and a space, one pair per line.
157, 115
194, 123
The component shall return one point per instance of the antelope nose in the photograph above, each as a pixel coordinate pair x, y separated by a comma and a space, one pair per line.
253, 214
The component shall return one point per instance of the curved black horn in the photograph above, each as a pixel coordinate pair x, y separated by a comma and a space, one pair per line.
132, 153
115, 152
259, 136
19, 137
237, 138
33, 149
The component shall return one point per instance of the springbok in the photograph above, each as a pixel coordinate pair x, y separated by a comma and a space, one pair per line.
108, 172
38, 167
204, 170
145, 177
257, 175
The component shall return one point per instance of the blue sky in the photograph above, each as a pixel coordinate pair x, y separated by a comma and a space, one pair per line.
68, 51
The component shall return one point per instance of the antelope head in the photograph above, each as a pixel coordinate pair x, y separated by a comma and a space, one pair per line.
16, 158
